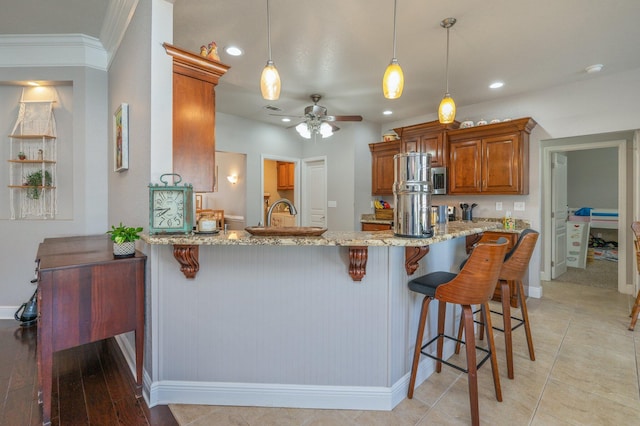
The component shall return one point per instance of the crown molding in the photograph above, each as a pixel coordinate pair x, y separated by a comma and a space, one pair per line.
114, 26
51, 50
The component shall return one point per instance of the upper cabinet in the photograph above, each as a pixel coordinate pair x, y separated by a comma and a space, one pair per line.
430, 138
490, 159
382, 175
194, 111
286, 176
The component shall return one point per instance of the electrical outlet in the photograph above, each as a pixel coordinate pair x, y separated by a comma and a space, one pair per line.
518, 206
499, 206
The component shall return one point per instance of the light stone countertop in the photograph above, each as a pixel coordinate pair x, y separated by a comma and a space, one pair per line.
330, 238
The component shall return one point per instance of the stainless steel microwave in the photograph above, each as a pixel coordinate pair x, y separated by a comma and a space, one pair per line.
439, 180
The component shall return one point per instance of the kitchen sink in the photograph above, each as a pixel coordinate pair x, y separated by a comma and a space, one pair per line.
286, 231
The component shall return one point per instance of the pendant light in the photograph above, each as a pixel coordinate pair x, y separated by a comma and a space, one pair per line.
447, 109
393, 80
270, 79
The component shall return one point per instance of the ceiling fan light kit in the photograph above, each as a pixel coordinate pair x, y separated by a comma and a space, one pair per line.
270, 78
393, 79
447, 109
317, 122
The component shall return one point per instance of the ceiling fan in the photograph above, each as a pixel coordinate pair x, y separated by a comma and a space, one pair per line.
316, 121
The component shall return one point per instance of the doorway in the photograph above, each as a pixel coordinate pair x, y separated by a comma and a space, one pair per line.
549, 148
280, 179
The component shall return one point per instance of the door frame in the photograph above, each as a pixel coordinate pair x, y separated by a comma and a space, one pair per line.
623, 224
296, 185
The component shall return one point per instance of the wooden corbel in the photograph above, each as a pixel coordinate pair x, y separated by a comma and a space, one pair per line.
412, 256
358, 262
187, 257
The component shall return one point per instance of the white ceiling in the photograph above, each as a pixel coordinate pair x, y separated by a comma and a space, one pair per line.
340, 48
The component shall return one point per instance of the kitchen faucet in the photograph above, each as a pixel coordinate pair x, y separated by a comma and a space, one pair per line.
292, 209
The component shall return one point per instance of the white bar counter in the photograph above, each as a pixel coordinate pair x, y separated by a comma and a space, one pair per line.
281, 321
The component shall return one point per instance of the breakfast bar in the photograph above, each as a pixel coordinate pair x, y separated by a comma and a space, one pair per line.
286, 321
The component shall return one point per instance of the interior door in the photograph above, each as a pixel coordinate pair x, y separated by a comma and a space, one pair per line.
558, 214
315, 193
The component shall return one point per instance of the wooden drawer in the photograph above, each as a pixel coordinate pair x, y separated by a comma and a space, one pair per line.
376, 227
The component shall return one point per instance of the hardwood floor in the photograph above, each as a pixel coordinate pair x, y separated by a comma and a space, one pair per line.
92, 385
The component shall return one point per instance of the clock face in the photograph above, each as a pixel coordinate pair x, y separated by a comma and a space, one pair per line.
168, 209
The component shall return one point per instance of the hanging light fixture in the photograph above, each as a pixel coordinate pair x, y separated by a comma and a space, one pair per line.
447, 109
270, 79
393, 80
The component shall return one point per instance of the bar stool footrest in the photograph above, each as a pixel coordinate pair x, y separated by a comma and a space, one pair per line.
519, 321
457, 367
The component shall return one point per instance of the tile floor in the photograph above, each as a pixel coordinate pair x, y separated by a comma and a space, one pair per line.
585, 373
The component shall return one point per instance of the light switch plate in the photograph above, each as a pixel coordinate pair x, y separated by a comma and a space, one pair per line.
518, 206
499, 206
332, 204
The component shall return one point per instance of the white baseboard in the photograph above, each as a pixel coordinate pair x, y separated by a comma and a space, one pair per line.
7, 312
291, 396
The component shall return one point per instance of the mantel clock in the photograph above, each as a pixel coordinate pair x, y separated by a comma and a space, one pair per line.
170, 207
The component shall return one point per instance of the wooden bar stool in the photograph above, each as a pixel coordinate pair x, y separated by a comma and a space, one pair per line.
473, 285
513, 269
635, 226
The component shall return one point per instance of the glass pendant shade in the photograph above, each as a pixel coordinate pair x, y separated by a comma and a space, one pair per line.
393, 80
303, 130
447, 110
326, 130
270, 82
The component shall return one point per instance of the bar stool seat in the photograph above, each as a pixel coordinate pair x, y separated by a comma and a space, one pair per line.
473, 285
515, 265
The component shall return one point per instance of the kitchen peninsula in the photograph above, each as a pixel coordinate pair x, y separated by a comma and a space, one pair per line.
283, 321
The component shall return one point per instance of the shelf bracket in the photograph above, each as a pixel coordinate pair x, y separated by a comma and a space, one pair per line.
358, 262
412, 256
187, 257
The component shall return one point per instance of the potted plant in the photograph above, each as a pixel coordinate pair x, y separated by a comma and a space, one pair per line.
22, 156
124, 238
34, 181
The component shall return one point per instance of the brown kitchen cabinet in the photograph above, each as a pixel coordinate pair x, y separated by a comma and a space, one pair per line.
382, 175
490, 159
430, 138
286, 175
375, 226
194, 111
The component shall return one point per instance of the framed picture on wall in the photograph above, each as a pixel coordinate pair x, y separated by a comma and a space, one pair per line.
121, 138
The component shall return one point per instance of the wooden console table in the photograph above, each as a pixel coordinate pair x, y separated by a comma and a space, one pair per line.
85, 295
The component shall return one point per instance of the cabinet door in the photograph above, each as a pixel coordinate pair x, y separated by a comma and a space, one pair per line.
501, 165
465, 171
285, 175
382, 174
194, 143
410, 143
433, 144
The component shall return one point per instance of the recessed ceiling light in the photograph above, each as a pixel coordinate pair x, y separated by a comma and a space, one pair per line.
233, 50
594, 68
496, 85
387, 112
286, 119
